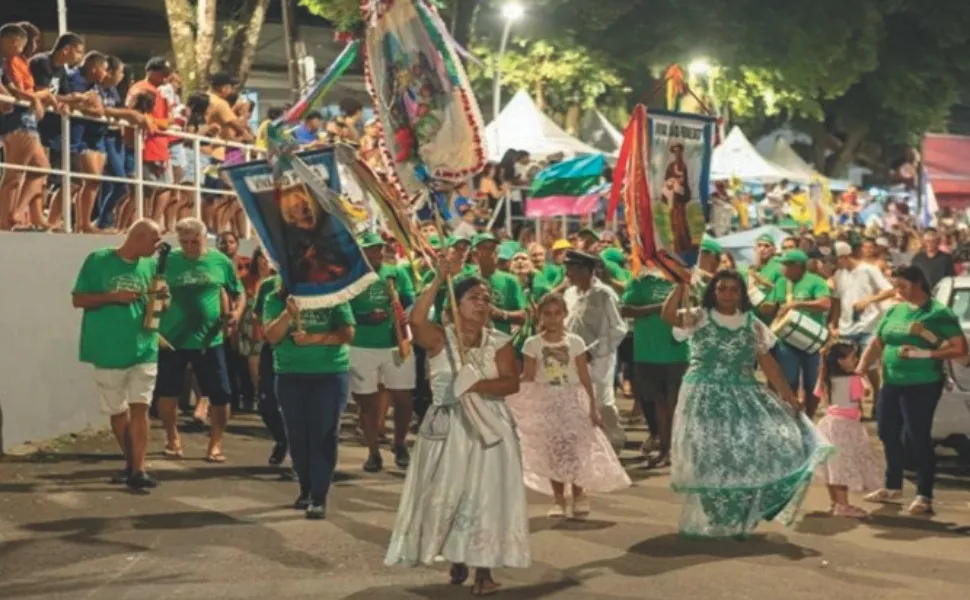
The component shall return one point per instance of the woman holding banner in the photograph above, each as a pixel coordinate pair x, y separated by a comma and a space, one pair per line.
463, 498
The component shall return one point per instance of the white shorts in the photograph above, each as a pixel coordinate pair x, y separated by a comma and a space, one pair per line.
372, 367
119, 388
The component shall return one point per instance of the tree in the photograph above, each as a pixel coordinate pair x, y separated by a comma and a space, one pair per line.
208, 35
345, 15
562, 78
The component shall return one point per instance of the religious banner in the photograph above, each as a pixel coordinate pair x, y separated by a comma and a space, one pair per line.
679, 176
431, 128
304, 226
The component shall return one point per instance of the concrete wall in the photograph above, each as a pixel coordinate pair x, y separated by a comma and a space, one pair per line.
44, 390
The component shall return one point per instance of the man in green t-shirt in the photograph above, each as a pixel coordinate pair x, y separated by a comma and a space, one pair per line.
207, 299
378, 358
508, 298
112, 288
768, 271
659, 360
807, 294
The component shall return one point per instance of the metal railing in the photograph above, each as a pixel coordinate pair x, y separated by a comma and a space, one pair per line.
67, 174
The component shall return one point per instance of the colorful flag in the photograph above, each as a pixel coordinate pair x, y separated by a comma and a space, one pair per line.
930, 207
319, 91
300, 222
571, 187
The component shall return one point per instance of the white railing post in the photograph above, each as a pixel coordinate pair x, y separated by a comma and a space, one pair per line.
139, 174
66, 176
197, 181
249, 224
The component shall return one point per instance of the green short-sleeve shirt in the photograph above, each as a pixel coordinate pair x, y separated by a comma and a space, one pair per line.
894, 333
288, 358
370, 334
809, 287
507, 294
554, 274
114, 336
653, 338
193, 319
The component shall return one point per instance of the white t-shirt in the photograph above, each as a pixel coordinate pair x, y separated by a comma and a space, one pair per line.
555, 361
852, 286
766, 340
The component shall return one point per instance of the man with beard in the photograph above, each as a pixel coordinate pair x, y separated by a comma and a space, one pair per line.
375, 357
207, 299
112, 289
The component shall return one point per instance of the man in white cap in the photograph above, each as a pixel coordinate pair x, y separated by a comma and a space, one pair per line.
858, 289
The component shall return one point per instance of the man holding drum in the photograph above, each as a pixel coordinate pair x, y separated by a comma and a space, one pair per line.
762, 279
803, 302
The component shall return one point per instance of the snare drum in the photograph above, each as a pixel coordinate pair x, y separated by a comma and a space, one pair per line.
799, 331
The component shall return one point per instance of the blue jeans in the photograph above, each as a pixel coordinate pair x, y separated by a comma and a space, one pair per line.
311, 406
799, 366
909, 408
111, 192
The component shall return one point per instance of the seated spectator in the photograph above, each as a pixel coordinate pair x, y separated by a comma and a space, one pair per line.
87, 135
344, 128
310, 133
21, 190
226, 212
143, 103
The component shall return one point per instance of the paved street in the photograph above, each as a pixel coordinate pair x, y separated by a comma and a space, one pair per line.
225, 531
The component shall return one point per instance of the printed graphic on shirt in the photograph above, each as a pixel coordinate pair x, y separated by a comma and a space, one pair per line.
554, 361
319, 317
126, 282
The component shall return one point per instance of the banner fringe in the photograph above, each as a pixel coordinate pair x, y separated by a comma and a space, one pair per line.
336, 298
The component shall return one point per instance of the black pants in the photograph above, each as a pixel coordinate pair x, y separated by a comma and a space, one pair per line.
422, 390
909, 409
656, 388
269, 406
240, 383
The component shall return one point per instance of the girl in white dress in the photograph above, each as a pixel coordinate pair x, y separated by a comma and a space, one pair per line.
558, 418
463, 499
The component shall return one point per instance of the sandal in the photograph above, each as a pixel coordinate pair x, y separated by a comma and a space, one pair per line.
920, 506
884, 495
216, 457
174, 451
558, 511
459, 573
485, 587
849, 511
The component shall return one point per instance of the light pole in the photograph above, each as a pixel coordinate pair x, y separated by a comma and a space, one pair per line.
511, 12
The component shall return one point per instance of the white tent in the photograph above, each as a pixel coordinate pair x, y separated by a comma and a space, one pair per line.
784, 156
522, 126
736, 157
596, 130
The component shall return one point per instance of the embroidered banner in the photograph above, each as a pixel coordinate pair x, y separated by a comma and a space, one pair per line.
303, 226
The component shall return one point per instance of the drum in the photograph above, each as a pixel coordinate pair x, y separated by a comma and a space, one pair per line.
756, 296
799, 331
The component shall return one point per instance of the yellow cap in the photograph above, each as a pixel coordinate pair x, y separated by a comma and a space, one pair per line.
561, 245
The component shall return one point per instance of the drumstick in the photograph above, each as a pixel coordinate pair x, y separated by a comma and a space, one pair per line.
164, 343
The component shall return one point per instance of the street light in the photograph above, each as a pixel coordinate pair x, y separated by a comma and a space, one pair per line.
511, 12
700, 67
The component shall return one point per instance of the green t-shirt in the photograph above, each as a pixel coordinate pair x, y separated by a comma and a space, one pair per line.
380, 334
554, 274
288, 358
771, 271
653, 338
507, 294
893, 332
538, 288
270, 284
193, 320
809, 287
114, 336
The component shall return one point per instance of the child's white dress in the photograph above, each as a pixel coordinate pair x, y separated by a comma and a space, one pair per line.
855, 464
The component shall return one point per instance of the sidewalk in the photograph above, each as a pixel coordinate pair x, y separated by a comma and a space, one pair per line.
225, 531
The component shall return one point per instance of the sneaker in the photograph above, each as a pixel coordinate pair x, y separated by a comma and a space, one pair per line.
402, 458
302, 502
920, 506
373, 464
121, 477
316, 512
278, 455
884, 495
140, 480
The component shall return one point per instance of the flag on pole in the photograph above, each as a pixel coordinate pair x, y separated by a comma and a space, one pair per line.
315, 96
571, 187
930, 207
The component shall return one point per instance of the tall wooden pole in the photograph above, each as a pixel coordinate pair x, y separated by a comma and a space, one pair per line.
295, 50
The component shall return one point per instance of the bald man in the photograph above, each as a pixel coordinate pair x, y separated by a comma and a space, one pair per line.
112, 289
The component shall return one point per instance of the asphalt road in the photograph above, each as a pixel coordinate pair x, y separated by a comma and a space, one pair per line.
225, 531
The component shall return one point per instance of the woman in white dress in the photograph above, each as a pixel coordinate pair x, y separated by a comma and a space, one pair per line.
463, 499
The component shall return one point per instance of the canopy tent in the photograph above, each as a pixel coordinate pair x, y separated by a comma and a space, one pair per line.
736, 157
596, 130
782, 154
522, 126
741, 244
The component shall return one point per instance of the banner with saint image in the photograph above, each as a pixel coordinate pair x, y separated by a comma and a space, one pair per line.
304, 226
679, 179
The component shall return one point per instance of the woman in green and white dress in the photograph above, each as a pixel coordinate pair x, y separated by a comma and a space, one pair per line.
739, 453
